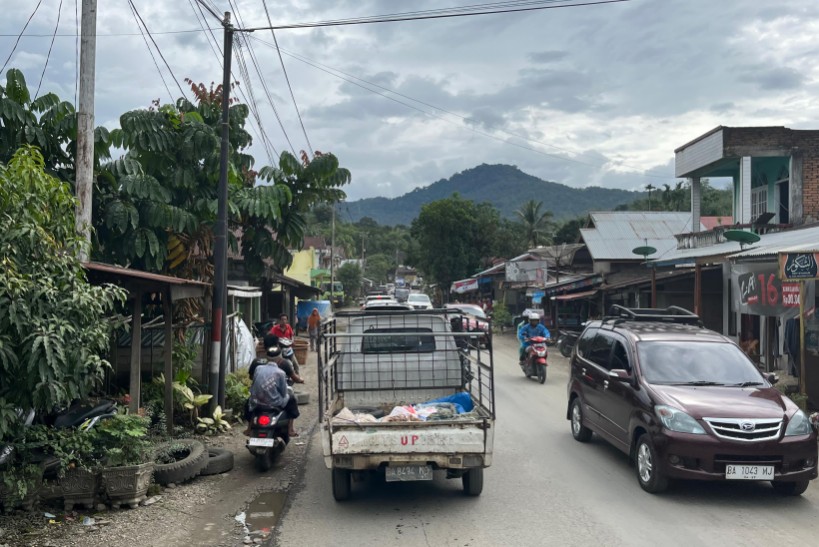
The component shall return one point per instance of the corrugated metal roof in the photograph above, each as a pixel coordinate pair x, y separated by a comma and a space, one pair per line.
617, 233
805, 239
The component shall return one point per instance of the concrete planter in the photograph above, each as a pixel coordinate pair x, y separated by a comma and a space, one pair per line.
77, 487
127, 485
10, 499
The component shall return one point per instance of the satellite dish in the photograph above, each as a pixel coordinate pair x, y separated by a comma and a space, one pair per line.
742, 237
644, 251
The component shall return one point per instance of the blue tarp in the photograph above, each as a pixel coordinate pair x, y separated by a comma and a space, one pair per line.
305, 307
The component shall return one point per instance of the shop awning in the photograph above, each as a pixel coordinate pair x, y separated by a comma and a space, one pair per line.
576, 296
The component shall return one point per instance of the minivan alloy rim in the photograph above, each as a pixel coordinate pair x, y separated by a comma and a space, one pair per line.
576, 418
644, 463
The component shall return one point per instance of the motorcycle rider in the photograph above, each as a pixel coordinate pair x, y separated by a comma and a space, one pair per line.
528, 331
282, 329
269, 390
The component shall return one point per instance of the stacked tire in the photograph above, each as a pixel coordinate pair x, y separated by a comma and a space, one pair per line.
198, 460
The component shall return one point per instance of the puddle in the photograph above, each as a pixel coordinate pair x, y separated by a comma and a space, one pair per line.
264, 512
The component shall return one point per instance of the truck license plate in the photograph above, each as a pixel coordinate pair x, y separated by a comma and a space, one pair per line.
261, 442
409, 473
750, 472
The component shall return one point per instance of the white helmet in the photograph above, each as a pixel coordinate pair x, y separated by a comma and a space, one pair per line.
534, 316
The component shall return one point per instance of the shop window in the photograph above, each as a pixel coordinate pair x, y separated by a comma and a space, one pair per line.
759, 201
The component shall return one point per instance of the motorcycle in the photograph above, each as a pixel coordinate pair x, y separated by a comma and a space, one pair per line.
534, 363
286, 345
268, 436
566, 342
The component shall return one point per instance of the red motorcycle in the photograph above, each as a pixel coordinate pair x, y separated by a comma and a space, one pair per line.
534, 363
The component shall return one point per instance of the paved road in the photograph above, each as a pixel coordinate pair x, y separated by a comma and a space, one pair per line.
545, 489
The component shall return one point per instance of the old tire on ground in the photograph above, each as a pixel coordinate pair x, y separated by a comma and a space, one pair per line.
184, 469
220, 460
648, 466
342, 484
579, 431
790, 488
473, 481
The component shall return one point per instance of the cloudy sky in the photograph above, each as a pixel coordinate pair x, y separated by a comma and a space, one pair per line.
597, 95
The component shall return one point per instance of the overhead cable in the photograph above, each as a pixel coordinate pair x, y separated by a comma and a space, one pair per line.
13, 49
210, 10
158, 50
287, 79
50, 47
150, 51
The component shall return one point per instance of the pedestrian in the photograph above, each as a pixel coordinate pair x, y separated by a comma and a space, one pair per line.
313, 326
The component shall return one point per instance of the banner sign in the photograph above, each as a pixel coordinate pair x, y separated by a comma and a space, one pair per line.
537, 297
758, 290
530, 271
798, 266
465, 285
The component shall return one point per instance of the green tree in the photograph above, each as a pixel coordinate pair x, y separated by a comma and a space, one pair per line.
453, 235
569, 231
350, 276
53, 325
537, 224
378, 267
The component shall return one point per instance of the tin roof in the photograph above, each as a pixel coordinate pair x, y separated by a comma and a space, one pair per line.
800, 240
614, 234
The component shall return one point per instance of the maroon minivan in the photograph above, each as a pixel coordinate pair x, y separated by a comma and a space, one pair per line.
685, 402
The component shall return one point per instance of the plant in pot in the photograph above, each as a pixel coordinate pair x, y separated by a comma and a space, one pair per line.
21, 475
79, 478
126, 457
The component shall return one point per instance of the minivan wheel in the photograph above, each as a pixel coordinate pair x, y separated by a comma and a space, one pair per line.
648, 466
579, 431
790, 488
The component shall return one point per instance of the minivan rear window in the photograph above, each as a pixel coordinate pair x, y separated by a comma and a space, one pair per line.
398, 340
692, 363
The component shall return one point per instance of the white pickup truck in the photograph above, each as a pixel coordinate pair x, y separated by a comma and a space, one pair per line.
373, 367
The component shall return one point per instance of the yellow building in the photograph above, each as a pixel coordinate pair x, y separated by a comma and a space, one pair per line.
303, 263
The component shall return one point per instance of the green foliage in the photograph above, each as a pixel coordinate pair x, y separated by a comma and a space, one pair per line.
537, 224
213, 425
237, 391
501, 318
123, 440
455, 235
53, 325
715, 201
21, 478
350, 276
191, 401
569, 231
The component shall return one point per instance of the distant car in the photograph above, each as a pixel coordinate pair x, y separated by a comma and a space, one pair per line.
419, 301
375, 298
684, 402
475, 320
387, 305
401, 294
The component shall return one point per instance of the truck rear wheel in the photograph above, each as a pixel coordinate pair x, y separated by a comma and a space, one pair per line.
341, 484
473, 481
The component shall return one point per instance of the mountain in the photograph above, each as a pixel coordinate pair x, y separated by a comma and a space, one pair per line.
504, 186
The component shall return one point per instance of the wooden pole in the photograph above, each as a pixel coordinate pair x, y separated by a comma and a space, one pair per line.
85, 124
802, 382
167, 310
653, 287
136, 352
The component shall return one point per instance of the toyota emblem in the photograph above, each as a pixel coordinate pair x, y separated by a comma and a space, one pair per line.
747, 426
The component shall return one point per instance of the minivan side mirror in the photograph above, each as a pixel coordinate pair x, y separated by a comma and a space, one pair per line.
772, 378
619, 374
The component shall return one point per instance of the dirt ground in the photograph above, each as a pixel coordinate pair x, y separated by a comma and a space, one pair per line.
200, 512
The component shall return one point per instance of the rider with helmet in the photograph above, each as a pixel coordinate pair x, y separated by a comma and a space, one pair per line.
529, 330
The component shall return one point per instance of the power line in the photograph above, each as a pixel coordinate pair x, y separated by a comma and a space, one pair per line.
13, 49
50, 47
150, 51
158, 50
244, 42
210, 10
352, 79
287, 79
395, 19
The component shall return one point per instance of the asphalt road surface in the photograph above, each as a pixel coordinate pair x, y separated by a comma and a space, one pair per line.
544, 488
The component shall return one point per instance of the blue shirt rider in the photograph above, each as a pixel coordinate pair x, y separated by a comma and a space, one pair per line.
529, 330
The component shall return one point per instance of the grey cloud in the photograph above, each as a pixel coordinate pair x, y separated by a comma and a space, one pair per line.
772, 78
547, 56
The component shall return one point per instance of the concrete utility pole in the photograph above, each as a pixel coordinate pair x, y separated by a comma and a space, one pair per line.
85, 124
218, 355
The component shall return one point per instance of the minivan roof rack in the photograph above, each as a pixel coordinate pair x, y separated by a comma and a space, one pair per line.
671, 314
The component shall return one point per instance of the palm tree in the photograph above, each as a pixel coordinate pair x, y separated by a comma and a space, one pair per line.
650, 187
538, 225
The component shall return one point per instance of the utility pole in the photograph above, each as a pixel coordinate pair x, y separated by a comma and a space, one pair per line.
84, 156
333, 254
218, 356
